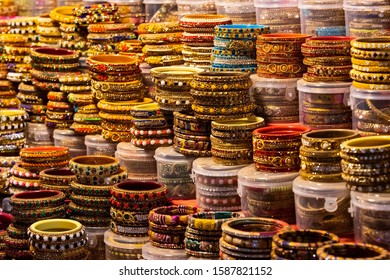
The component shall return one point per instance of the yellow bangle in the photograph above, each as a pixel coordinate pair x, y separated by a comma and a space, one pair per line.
63, 14
6, 39
161, 38
121, 107
159, 27
371, 43
110, 27
374, 78
111, 64
370, 86
116, 87
368, 63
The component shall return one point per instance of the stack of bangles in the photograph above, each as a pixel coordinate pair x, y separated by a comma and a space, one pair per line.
370, 59
276, 148
5, 222
132, 48
365, 164
58, 239
191, 135
352, 251
215, 93
328, 47
225, 58
57, 179
167, 225
249, 238
131, 202
97, 13
320, 154
300, 244
12, 126
203, 233
279, 55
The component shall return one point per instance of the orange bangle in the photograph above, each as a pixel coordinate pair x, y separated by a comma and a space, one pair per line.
44, 152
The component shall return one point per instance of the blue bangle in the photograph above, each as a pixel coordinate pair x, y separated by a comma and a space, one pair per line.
242, 28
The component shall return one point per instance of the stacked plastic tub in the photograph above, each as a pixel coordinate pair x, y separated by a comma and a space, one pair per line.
160, 10
322, 17
281, 16
367, 18
190, 7
240, 11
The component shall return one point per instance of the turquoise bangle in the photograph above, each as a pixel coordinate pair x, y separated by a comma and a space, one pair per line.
241, 28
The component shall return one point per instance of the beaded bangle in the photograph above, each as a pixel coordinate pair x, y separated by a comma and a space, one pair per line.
17, 233
129, 218
44, 152
117, 87
111, 64
19, 171
172, 215
326, 140
128, 230
158, 27
53, 55
16, 243
97, 167
137, 206
89, 190
13, 115
89, 201
62, 14
370, 43
351, 251
133, 191
43, 213
78, 210
71, 67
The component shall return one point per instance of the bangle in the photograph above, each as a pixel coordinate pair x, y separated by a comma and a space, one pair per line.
371, 69
49, 31
158, 27
13, 115
78, 210
94, 167
90, 190
16, 243
210, 221
123, 77
220, 87
57, 176
109, 37
90, 201
74, 45
62, 14
370, 55
203, 21
97, 18
166, 238
370, 63
95, 8
111, 64
136, 218
110, 28
119, 176
160, 38
36, 199
172, 215
369, 77
117, 87
130, 46
16, 232
151, 143
140, 206
370, 146
327, 178
54, 55
370, 43
364, 169
56, 96
7, 39
48, 152
10, 126
19, 171
72, 67
26, 216
326, 140
132, 231
327, 60
351, 251
159, 50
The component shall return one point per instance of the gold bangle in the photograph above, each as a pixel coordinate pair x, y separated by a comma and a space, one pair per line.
369, 63
371, 43
159, 27
121, 107
117, 136
214, 110
112, 117
326, 140
370, 86
371, 69
160, 38
110, 27
63, 14
111, 64
370, 55
116, 87
13, 39
370, 77
223, 86
327, 60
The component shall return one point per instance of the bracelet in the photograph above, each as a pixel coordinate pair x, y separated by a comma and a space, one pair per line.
129, 218
89, 190
78, 210
160, 38
140, 206
326, 140
116, 87
72, 67
370, 55
17, 233
109, 37
131, 77
369, 63
376, 145
56, 177
75, 88
94, 167
7, 39
351, 251
97, 18
54, 55
36, 199
16, 243
210, 221
48, 152
89, 201
10, 126
370, 43
364, 169
19, 171
13, 115
110, 28
166, 238
172, 215
42, 213
112, 64
128, 231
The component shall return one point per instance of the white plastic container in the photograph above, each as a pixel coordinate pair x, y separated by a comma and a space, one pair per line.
367, 21
139, 163
239, 11
174, 171
149, 252
119, 247
370, 109
216, 185
371, 218
96, 243
190, 7
281, 16
152, 6
324, 105
322, 206
38, 134
268, 94
97, 145
267, 194
322, 19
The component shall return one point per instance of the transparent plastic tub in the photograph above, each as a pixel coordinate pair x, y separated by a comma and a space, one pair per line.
240, 12
322, 19
119, 247
96, 243
39, 134
267, 194
139, 163
280, 16
322, 206
324, 105
154, 7
97, 145
216, 185
367, 21
371, 218
270, 94
149, 252
370, 111
174, 171
68, 138
190, 7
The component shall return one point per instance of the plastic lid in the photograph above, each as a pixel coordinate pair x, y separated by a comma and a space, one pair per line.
169, 153
126, 148
64, 132
159, 1
38, 126
149, 252
329, 88
97, 140
124, 242
371, 201
206, 166
249, 176
289, 84
370, 94
275, 3
368, 8
193, 2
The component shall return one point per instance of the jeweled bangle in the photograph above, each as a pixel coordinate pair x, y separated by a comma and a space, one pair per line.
90, 190
13, 115
97, 18
370, 63
90, 201
367, 146
160, 38
80, 99
151, 143
27, 216
16, 243
326, 140
371, 43
57, 176
172, 215
62, 14
116, 78
371, 86
166, 238
327, 60
129, 218
44, 152
203, 21
211, 221
97, 167
71, 67
370, 77
53, 55
78, 210
19, 171
13, 39
141, 206
110, 28
221, 86
117, 177
351, 251
158, 27
111, 64
130, 46
123, 106
117, 87
133, 231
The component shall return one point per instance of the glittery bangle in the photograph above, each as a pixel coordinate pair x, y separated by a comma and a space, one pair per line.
19, 171
351, 251
49, 55
111, 64
137, 206
78, 210
42, 213
89, 190
370, 43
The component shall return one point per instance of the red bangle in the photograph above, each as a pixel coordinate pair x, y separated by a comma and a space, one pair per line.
133, 191
37, 199
5, 220
143, 206
277, 132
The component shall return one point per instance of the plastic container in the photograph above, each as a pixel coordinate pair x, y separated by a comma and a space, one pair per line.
149, 252
267, 194
96, 243
280, 16
120, 247
153, 7
239, 11
367, 21
190, 7
38, 134
324, 105
269, 94
174, 171
370, 111
68, 138
371, 218
322, 206
322, 19
139, 163
216, 185
97, 145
